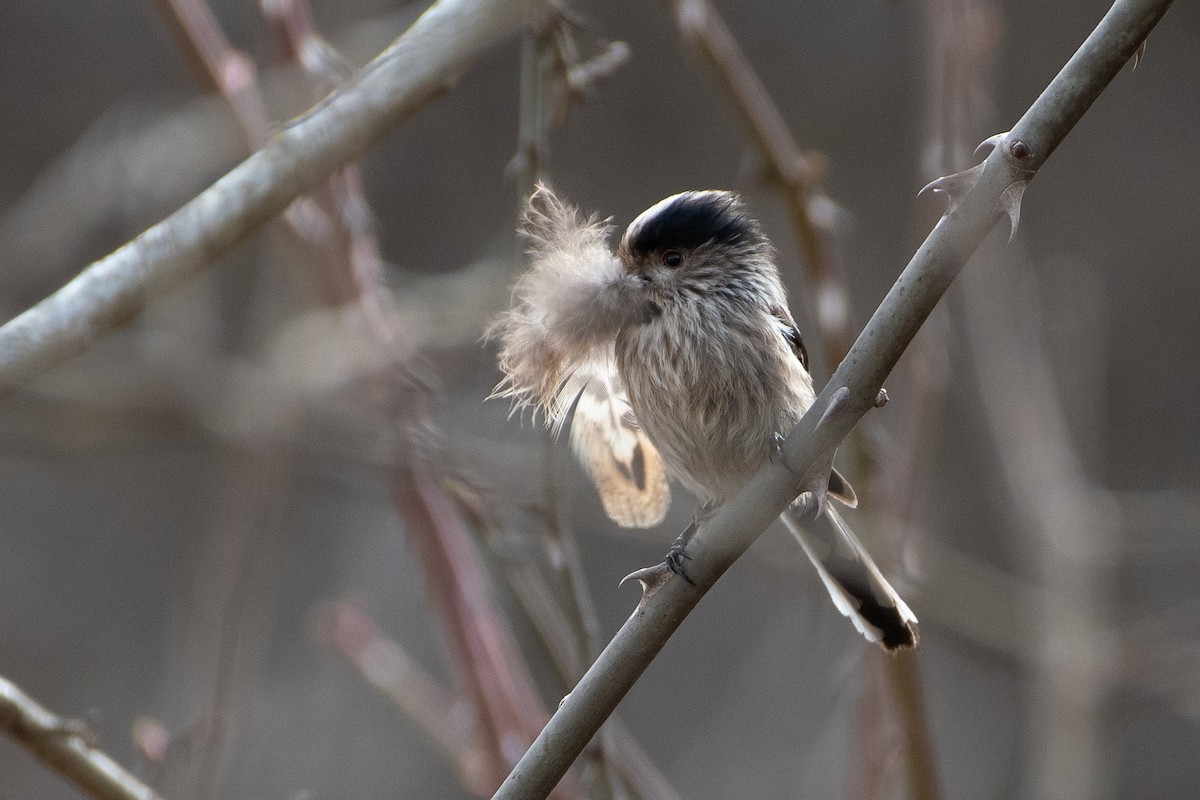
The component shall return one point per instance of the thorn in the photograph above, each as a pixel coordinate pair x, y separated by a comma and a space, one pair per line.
956, 186
1009, 202
992, 142
836, 401
1140, 54
881, 399
651, 578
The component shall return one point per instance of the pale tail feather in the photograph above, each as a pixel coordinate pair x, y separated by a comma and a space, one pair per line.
856, 585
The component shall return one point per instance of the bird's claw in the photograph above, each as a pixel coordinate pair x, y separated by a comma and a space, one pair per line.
675, 558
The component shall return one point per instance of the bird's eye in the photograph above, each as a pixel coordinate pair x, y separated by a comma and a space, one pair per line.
672, 258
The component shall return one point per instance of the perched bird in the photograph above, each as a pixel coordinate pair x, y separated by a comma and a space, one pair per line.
679, 357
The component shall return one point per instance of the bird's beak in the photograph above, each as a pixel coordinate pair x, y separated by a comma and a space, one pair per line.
632, 269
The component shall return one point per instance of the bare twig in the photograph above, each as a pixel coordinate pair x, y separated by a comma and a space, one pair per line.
218, 65
848, 396
958, 45
502, 690
418, 67
797, 174
385, 665
552, 77
1073, 525
63, 745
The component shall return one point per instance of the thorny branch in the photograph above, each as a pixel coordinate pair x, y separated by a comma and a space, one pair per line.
850, 393
798, 176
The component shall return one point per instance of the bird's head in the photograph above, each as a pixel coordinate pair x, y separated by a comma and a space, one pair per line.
695, 242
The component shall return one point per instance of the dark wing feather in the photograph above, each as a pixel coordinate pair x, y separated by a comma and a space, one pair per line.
787, 327
839, 487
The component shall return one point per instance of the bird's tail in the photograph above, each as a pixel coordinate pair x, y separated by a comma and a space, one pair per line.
856, 585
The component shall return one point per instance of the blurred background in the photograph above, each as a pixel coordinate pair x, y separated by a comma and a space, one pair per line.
270, 541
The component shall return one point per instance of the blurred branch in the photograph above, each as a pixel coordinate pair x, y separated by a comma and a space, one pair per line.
543, 65
386, 666
417, 68
497, 680
906, 695
303, 44
234, 559
850, 393
217, 65
63, 745
134, 162
1073, 526
797, 174
490, 671
958, 45
125, 166
552, 76
331, 228
449, 722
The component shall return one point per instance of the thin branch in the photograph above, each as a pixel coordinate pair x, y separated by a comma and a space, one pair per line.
848, 396
797, 174
498, 682
385, 665
62, 744
420, 66
553, 75
218, 65
1069, 520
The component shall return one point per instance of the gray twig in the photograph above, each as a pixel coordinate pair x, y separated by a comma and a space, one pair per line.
976, 207
63, 745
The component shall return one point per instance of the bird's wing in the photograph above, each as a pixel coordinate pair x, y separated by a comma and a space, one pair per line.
839, 487
616, 453
789, 331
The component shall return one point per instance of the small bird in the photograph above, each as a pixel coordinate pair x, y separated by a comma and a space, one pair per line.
678, 356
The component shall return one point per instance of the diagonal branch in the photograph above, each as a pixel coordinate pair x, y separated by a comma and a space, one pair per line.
845, 400
418, 67
63, 745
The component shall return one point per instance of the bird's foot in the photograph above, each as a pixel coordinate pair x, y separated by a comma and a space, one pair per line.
676, 556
